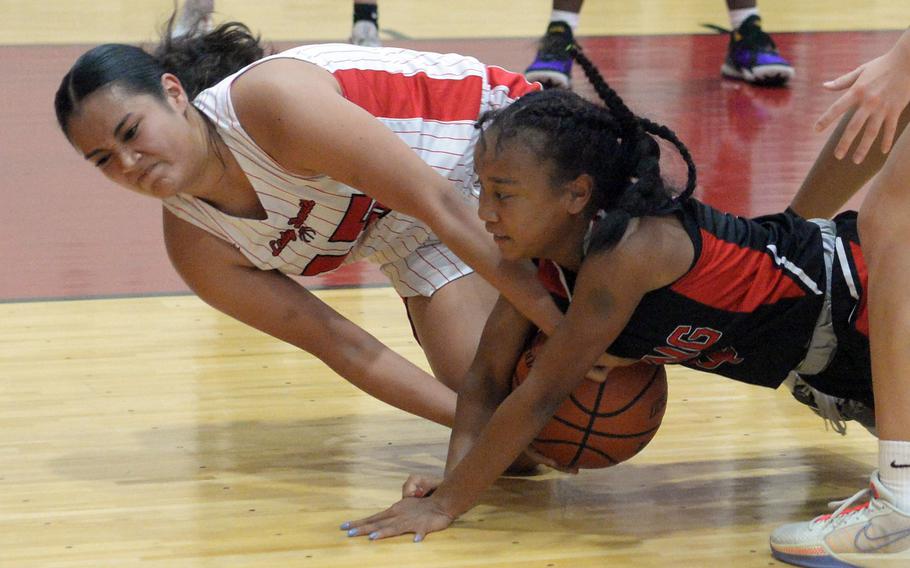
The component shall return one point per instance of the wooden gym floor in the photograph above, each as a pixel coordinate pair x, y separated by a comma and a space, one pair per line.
140, 427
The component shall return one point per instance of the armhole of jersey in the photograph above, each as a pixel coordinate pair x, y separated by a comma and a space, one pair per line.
688, 216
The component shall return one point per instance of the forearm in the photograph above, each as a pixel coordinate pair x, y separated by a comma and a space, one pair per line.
477, 401
510, 430
380, 372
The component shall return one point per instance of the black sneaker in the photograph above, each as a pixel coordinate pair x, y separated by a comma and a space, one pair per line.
752, 56
553, 65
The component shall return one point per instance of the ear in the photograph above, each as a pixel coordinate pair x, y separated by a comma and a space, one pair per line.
578, 193
174, 92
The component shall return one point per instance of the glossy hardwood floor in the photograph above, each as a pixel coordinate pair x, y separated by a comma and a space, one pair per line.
142, 428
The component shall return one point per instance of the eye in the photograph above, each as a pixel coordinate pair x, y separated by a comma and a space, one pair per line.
102, 162
500, 196
131, 132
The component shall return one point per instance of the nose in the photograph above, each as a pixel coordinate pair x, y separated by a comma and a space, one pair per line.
129, 158
487, 208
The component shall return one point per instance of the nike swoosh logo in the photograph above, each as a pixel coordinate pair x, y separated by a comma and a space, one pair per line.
866, 543
899, 465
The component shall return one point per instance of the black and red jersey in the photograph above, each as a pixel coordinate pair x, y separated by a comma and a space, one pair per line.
747, 307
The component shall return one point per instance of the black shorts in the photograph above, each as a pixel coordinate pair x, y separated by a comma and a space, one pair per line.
849, 375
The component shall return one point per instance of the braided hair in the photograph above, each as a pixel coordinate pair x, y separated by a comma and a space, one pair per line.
610, 143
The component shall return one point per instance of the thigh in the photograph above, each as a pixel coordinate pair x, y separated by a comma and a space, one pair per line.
448, 325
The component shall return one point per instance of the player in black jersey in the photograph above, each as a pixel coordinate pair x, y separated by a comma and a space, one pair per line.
653, 275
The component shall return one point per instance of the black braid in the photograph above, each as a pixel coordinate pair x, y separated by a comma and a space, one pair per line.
631, 123
611, 144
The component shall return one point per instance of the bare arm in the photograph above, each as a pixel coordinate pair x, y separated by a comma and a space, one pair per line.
295, 112
489, 380
878, 90
601, 308
874, 104
273, 303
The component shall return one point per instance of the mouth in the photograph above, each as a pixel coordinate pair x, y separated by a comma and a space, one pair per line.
145, 176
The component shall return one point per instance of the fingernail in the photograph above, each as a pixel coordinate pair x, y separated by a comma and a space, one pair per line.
418, 538
374, 535
345, 525
352, 532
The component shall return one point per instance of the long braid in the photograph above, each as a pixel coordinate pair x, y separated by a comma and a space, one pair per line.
618, 149
632, 123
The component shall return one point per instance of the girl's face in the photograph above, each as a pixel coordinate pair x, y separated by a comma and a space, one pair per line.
138, 141
527, 215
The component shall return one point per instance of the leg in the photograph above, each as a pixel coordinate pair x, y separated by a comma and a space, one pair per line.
553, 66
831, 182
884, 222
449, 324
871, 528
365, 30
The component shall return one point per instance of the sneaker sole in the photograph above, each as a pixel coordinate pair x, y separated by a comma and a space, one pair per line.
810, 561
767, 75
549, 79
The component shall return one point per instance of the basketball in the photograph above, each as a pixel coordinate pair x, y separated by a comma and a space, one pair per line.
601, 424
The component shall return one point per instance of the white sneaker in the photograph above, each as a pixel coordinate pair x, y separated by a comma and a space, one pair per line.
867, 530
366, 34
194, 17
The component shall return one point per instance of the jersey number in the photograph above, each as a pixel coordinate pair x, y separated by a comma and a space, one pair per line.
362, 212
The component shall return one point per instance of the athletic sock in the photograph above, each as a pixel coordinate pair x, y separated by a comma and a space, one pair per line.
368, 12
737, 17
894, 470
571, 18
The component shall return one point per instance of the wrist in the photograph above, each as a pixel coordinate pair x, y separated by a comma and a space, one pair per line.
448, 503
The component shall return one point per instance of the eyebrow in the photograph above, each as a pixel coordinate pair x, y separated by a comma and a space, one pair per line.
502, 180
117, 129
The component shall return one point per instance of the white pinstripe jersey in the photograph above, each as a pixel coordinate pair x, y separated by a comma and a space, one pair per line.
316, 224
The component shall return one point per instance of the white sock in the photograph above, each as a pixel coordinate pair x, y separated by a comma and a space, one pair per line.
894, 470
570, 18
737, 17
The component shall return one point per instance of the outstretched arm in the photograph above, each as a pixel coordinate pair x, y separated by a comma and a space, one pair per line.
273, 303
601, 308
294, 110
875, 103
878, 90
489, 380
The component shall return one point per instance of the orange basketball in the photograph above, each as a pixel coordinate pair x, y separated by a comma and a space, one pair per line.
601, 424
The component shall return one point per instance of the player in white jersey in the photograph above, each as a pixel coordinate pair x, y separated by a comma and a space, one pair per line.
300, 163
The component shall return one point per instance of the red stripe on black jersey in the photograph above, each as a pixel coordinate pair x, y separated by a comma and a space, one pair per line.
734, 278
394, 95
862, 315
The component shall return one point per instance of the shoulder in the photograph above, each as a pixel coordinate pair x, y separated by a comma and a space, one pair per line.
266, 87
654, 252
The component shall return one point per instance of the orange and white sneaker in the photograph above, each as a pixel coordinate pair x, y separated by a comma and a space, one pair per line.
866, 531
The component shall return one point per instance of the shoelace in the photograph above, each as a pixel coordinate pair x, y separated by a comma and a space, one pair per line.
847, 509
829, 410
826, 406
